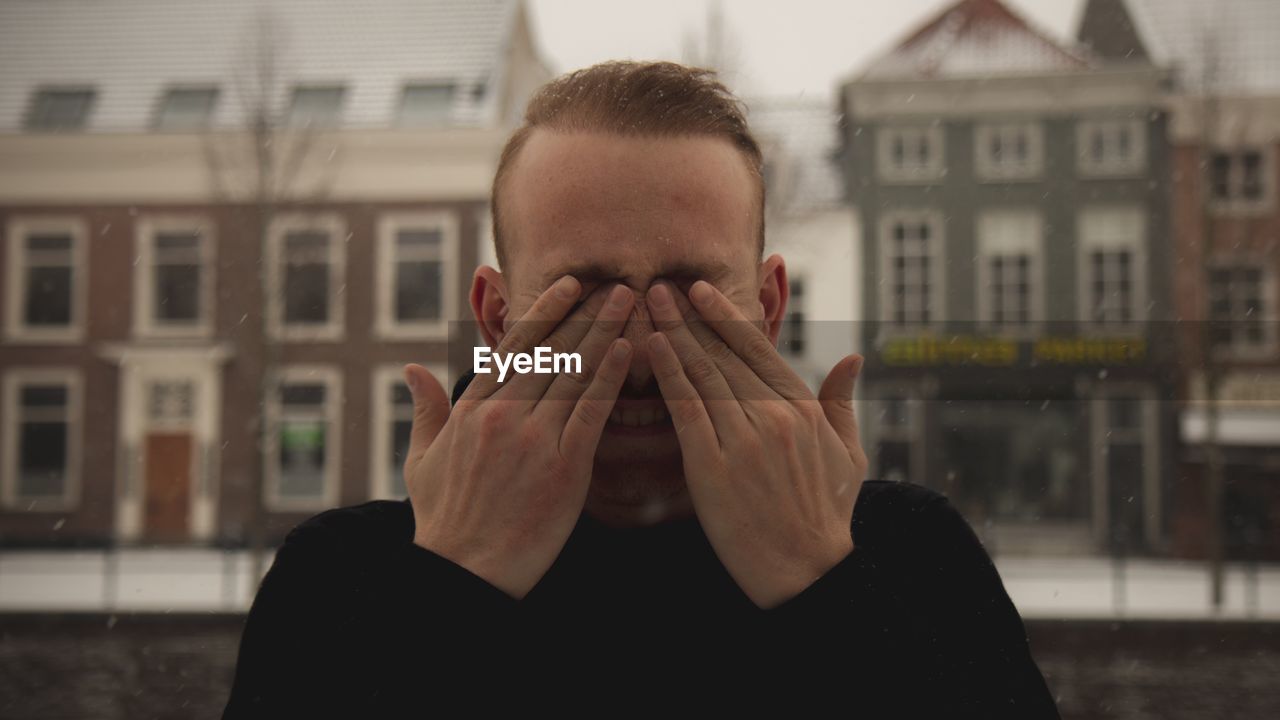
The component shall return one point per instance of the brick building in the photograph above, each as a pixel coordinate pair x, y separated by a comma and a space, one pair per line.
1224, 133
210, 208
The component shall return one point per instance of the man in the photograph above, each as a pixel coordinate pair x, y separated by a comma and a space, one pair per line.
682, 517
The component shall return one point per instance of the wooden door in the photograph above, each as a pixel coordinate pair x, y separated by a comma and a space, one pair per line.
168, 485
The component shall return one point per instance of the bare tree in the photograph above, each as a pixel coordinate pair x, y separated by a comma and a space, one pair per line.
258, 167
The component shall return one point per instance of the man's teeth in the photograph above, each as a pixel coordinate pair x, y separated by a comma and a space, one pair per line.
638, 417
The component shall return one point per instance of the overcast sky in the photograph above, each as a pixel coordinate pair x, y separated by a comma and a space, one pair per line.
779, 47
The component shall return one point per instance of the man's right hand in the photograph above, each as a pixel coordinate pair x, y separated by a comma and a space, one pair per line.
498, 482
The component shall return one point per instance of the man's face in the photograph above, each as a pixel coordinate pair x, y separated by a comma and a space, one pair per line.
612, 209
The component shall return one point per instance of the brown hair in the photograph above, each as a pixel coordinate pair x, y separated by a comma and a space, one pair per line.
661, 99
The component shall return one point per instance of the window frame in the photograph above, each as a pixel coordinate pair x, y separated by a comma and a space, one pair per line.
934, 170
330, 377
450, 86
989, 247
1134, 166
144, 290
1235, 202
386, 325
292, 121
1267, 348
384, 378
281, 226
166, 95
40, 92
1086, 244
16, 378
937, 274
16, 329
986, 168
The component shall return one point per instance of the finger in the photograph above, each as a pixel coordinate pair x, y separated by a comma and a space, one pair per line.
567, 337
698, 440
582, 432
836, 397
430, 410
697, 367
742, 380
753, 346
537, 322
566, 388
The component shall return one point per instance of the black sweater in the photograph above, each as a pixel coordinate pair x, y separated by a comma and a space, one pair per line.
354, 619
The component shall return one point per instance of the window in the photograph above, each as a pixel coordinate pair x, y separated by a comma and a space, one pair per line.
417, 256
911, 245
186, 108
426, 105
46, 280
1112, 288
896, 436
792, 338
1009, 272
910, 154
1111, 147
1238, 178
62, 109
391, 427
1240, 308
317, 106
1129, 464
1009, 151
307, 277
303, 458
174, 281
41, 439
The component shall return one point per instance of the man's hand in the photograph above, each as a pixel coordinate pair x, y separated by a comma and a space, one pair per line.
497, 484
773, 472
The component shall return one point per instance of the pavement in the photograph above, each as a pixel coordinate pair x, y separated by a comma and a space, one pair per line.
207, 580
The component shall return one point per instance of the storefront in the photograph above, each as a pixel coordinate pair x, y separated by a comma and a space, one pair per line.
1051, 445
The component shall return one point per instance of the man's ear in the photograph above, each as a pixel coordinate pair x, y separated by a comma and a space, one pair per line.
489, 303
773, 295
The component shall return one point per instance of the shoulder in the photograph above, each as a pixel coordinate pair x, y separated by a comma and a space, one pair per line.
902, 514
370, 527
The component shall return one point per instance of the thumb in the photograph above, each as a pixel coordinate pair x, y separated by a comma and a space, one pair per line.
836, 397
430, 409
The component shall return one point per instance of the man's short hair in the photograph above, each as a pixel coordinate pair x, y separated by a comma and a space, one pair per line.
638, 99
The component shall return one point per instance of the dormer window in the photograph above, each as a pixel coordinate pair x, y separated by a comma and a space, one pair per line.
60, 109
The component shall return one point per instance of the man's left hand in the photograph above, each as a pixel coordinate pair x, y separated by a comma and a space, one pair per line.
773, 472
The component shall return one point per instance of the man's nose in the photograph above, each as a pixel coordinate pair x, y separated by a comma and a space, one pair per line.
637, 331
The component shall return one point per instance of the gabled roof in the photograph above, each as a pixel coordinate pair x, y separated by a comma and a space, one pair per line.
1233, 44
975, 38
131, 51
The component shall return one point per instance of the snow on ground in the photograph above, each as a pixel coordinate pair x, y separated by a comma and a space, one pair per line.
199, 580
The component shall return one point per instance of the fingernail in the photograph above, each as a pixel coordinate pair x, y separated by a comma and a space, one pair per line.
856, 367
621, 349
700, 293
618, 296
567, 286
657, 342
411, 381
660, 296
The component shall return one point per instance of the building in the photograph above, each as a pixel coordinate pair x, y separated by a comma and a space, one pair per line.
808, 221
1224, 131
1016, 280
210, 209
